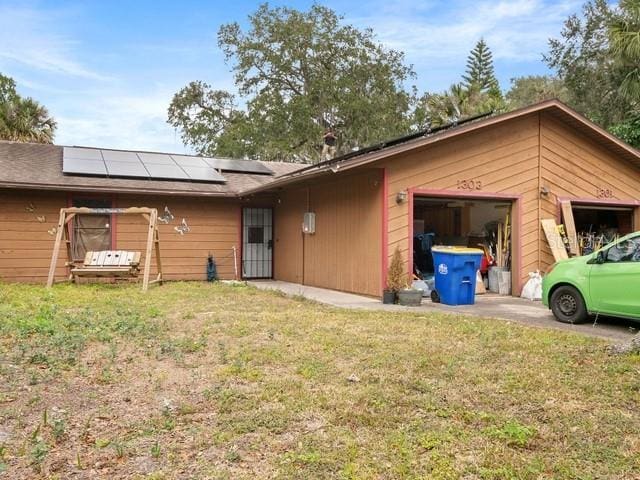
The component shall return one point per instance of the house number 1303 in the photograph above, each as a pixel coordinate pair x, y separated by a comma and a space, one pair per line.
469, 185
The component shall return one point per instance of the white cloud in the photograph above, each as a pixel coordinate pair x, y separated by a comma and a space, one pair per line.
515, 30
124, 115
118, 110
29, 38
120, 120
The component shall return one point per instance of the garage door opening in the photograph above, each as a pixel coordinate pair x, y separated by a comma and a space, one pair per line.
598, 225
477, 223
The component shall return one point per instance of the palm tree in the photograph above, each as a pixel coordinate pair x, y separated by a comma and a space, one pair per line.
624, 39
23, 119
446, 107
459, 103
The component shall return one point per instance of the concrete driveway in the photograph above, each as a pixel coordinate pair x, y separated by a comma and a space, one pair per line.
511, 309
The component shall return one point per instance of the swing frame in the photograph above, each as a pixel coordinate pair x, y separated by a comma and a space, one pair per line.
62, 234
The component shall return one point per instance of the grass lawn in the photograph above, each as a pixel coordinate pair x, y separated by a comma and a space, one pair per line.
195, 380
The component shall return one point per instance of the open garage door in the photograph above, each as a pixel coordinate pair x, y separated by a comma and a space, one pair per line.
591, 226
482, 223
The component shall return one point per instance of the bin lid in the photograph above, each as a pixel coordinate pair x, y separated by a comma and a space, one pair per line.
457, 250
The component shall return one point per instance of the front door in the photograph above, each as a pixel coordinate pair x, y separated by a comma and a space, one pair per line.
615, 284
257, 243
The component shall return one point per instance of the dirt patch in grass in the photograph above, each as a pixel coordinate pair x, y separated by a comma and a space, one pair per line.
215, 381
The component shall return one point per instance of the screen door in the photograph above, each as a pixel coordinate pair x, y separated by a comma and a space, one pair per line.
257, 243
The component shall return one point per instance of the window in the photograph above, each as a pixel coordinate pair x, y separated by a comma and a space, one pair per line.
90, 232
625, 251
256, 235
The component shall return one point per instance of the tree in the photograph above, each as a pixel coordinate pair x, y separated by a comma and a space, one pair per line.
23, 119
479, 92
534, 89
598, 60
583, 61
629, 131
297, 73
480, 74
624, 38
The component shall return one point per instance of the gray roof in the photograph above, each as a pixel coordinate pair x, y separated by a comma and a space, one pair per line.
39, 166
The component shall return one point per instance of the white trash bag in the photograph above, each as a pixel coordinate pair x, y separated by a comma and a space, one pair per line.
533, 288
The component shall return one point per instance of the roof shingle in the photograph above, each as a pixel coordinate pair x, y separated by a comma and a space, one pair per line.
32, 165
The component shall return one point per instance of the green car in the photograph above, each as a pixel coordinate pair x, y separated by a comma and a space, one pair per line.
605, 282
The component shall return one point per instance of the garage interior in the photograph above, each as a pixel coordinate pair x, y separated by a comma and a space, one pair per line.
464, 222
598, 225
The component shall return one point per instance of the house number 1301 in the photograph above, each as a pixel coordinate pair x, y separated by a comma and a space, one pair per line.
469, 185
604, 193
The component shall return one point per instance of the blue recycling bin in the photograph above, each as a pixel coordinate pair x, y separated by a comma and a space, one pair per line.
455, 274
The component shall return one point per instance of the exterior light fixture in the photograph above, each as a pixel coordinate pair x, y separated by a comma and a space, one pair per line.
544, 191
401, 196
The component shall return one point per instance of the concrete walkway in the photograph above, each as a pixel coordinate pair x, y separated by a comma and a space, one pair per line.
512, 309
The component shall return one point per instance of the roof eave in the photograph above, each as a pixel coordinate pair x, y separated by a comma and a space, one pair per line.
97, 189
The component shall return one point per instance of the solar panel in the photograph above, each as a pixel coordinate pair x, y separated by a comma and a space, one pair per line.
241, 166
130, 164
173, 172
206, 174
126, 169
120, 156
83, 167
186, 161
156, 158
82, 153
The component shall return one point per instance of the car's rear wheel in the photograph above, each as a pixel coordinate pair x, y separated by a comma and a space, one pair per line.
568, 305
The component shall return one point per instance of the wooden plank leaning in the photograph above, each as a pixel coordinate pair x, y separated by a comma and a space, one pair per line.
555, 240
570, 226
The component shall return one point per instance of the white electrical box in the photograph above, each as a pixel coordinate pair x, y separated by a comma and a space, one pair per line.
309, 223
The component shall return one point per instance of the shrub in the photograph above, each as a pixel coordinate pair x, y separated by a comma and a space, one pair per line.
397, 278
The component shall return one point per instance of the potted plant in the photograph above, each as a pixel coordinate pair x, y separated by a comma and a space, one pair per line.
409, 296
395, 278
399, 284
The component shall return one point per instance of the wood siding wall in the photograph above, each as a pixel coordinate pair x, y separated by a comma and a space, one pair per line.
503, 157
344, 253
25, 245
573, 166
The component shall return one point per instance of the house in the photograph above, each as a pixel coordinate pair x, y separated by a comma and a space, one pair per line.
516, 168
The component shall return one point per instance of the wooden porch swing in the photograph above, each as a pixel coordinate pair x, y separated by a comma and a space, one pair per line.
108, 263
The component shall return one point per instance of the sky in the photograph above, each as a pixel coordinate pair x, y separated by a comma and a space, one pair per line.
107, 69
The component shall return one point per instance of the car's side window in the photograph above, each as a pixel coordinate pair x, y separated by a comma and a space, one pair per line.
624, 251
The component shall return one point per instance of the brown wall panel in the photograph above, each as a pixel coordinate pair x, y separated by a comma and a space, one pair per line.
287, 257
344, 253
